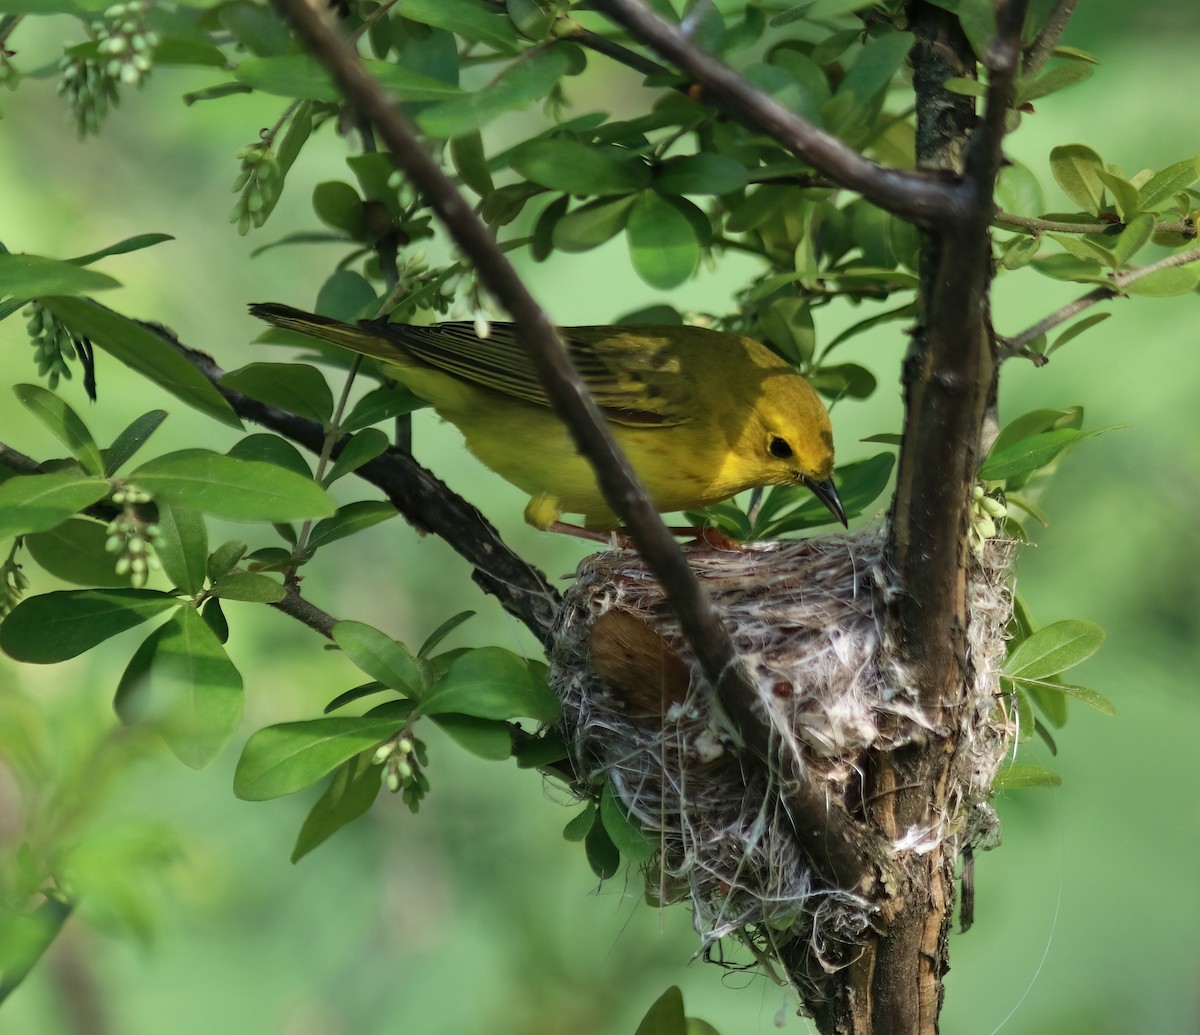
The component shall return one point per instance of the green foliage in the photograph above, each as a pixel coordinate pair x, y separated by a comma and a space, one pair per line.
666, 1017
490, 86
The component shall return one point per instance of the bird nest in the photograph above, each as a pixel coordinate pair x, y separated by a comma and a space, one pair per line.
808, 620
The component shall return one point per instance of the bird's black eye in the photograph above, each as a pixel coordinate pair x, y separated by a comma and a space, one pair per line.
779, 448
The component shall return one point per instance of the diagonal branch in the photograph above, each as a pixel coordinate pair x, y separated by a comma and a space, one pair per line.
698, 617
1038, 52
1015, 345
419, 496
907, 194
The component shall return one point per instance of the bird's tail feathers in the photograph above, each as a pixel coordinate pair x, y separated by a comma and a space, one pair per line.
346, 335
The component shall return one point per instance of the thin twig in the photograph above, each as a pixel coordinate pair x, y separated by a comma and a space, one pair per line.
829, 841
419, 496
910, 195
1039, 51
1015, 345
1007, 221
611, 49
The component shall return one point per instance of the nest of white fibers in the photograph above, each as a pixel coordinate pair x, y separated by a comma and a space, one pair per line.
807, 618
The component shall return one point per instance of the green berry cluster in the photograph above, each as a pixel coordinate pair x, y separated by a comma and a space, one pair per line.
125, 56
402, 758
89, 92
53, 345
260, 180
131, 537
125, 43
987, 517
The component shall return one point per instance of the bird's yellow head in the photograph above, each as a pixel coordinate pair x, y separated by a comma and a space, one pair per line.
797, 439
782, 433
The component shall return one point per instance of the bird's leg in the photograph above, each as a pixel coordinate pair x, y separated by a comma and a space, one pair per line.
618, 539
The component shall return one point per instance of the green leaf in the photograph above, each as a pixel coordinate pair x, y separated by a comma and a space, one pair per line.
485, 738
1029, 454
666, 1016
239, 490
978, 21
379, 405
965, 87
348, 520
1019, 191
144, 351
899, 313
470, 162
1124, 194
1137, 232
182, 547
1056, 688
518, 86
191, 692
859, 485
1171, 280
787, 324
63, 423
1076, 168
34, 276
287, 758
271, 449
1019, 251
224, 557
259, 29
1165, 183
492, 683
1052, 81
626, 833
843, 381
74, 552
576, 168
1037, 421
295, 387
473, 20
1054, 649
442, 631
662, 243
381, 657
345, 296
602, 854
249, 587
876, 64
1024, 776
543, 753
1083, 249
578, 827
362, 448
38, 502
351, 792
592, 224
57, 626
300, 76
338, 205
126, 444
704, 173
1076, 329
130, 244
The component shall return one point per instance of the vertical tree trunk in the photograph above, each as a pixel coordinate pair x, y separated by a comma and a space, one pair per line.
895, 986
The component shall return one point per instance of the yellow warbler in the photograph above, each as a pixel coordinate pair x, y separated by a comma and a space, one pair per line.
701, 414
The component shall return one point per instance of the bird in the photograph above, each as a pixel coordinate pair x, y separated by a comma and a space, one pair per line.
701, 414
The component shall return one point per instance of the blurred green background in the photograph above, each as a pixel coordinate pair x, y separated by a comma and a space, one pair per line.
475, 915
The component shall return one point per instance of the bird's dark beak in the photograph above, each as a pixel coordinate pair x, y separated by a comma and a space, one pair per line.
827, 494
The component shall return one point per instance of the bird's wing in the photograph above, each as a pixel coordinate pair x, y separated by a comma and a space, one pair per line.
633, 376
